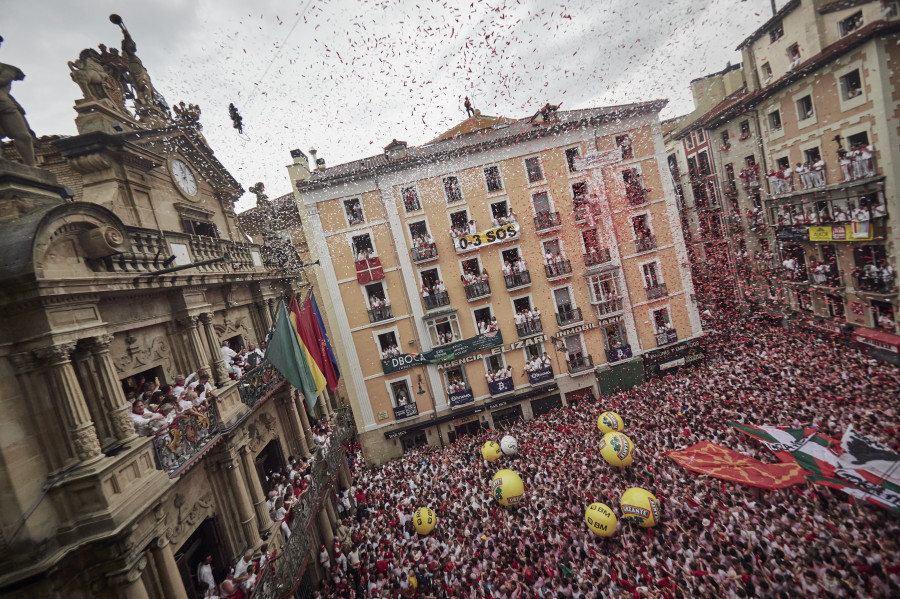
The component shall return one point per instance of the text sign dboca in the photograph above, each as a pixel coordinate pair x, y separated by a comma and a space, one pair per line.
443, 353
495, 235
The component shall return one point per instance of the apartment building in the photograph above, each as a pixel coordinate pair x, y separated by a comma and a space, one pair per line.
505, 268
812, 183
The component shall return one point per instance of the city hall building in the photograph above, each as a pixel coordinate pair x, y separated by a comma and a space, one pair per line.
507, 267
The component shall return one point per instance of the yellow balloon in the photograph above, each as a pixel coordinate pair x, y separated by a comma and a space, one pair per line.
491, 451
507, 488
617, 449
600, 519
640, 506
610, 422
424, 520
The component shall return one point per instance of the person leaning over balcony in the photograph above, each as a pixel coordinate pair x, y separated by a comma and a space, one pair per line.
141, 417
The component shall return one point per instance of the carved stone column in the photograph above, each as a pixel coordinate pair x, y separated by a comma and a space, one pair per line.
69, 404
325, 530
257, 494
87, 379
167, 569
287, 411
219, 372
265, 319
238, 487
300, 402
36, 397
329, 507
128, 582
199, 356
344, 477
177, 337
109, 391
272, 305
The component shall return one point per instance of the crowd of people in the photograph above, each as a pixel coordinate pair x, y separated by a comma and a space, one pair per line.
424, 247
857, 163
528, 320
876, 277
501, 374
715, 539
155, 407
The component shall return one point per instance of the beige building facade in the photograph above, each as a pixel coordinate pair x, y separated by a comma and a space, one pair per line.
570, 214
122, 263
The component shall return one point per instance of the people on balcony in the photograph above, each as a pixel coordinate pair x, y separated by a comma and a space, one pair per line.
470, 278
876, 278
538, 363
500, 221
501, 374
423, 246
487, 326
234, 361
456, 385
391, 351
528, 319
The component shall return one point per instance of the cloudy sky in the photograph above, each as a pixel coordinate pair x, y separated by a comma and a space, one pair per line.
347, 76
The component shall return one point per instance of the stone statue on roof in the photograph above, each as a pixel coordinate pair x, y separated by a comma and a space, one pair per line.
12, 116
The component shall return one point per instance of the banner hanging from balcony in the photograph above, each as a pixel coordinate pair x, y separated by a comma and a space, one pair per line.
495, 235
461, 398
444, 353
859, 231
658, 361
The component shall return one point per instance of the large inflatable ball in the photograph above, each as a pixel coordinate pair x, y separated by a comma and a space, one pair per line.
509, 445
617, 449
600, 519
507, 488
490, 451
424, 520
640, 506
610, 422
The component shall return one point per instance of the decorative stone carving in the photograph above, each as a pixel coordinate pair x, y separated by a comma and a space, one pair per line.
87, 446
122, 425
56, 354
186, 519
12, 116
136, 356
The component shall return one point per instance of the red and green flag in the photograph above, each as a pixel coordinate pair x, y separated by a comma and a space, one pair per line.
285, 352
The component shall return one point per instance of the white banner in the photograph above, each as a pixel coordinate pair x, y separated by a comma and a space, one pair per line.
606, 158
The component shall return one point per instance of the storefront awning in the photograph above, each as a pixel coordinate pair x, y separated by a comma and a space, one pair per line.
879, 339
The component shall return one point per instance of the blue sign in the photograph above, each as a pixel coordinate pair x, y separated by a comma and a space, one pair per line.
407, 411
461, 398
501, 386
539, 376
619, 353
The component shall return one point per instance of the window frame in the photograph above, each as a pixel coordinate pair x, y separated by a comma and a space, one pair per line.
358, 199
362, 233
414, 186
540, 166
487, 188
657, 263
452, 317
412, 398
579, 154
462, 197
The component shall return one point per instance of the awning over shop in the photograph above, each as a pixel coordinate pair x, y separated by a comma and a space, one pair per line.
879, 339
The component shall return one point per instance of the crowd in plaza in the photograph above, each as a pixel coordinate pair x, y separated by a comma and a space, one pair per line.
715, 539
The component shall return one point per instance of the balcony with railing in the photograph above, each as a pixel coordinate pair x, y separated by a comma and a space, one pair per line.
666, 336
381, 313
656, 291
558, 269
566, 317
517, 279
477, 290
283, 577
259, 383
544, 222
177, 445
424, 253
530, 327
644, 243
606, 306
501, 386
436, 299
580, 363
595, 257
875, 281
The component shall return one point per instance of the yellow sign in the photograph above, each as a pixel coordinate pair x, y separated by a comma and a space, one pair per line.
475, 240
861, 231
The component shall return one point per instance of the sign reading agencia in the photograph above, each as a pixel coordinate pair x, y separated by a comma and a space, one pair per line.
495, 235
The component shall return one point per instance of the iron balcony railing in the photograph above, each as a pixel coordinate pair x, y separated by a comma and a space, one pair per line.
477, 290
656, 291
558, 270
530, 327
185, 439
645, 243
596, 258
517, 279
567, 316
545, 221
282, 577
579, 363
608, 306
259, 383
666, 337
436, 299
382, 313
424, 252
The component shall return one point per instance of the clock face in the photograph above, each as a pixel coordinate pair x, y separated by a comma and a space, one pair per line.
183, 176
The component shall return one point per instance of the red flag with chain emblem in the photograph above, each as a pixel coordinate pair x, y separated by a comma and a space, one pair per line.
727, 464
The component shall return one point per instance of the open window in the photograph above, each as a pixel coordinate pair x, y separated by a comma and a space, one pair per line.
378, 305
643, 235
459, 391
388, 346
452, 189
410, 196
354, 212
805, 108
368, 265
533, 169
851, 85
605, 293
572, 154
852, 23
501, 214
460, 224
615, 341
423, 246
485, 321
493, 179
443, 330
623, 142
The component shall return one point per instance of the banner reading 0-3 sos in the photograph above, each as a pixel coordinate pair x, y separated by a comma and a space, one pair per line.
495, 235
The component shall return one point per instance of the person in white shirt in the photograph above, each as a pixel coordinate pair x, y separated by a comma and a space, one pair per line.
846, 164
205, 577
243, 564
142, 418
229, 355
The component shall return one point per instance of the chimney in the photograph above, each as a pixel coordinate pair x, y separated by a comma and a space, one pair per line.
299, 157
299, 169
774, 10
319, 162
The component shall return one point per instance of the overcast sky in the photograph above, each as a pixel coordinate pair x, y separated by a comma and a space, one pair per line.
346, 76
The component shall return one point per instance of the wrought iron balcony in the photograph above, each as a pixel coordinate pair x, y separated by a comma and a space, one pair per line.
607, 306
284, 575
666, 337
530, 327
596, 258
517, 279
645, 243
547, 221
424, 253
436, 299
186, 438
557, 270
382, 313
259, 383
656, 291
568, 316
478, 290
580, 363
874, 283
